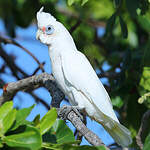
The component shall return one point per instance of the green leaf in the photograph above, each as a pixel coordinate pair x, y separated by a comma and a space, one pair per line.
101, 148
5, 109
117, 101
110, 23
7, 117
144, 6
47, 1
36, 120
9, 120
57, 146
83, 2
123, 27
29, 138
143, 98
62, 132
1, 144
70, 2
144, 22
147, 143
70, 146
47, 121
21, 115
145, 79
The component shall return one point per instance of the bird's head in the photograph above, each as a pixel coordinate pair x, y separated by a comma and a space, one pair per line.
47, 27
52, 32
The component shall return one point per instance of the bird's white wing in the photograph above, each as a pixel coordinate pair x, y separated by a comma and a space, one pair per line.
80, 74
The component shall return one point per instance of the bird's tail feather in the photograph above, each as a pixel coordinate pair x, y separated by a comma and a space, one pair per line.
118, 132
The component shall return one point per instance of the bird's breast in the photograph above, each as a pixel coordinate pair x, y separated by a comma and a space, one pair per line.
59, 77
58, 73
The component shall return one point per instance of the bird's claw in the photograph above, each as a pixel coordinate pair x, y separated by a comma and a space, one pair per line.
65, 110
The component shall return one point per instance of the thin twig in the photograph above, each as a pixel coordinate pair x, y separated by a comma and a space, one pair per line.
10, 41
38, 68
110, 75
38, 99
10, 63
143, 127
73, 28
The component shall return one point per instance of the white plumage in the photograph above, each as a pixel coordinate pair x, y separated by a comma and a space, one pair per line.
76, 77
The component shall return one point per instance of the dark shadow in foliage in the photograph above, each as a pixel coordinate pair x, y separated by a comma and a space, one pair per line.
47, 137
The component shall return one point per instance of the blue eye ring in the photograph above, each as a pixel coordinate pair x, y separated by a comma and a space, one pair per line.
49, 30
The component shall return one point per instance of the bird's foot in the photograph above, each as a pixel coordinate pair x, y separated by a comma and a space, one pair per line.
65, 110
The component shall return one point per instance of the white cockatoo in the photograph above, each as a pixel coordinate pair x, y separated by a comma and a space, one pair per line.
76, 77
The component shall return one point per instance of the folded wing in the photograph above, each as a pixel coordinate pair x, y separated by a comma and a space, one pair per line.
80, 74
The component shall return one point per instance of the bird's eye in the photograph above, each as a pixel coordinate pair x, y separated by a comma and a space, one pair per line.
49, 30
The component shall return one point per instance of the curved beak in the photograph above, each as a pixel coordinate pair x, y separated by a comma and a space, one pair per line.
38, 35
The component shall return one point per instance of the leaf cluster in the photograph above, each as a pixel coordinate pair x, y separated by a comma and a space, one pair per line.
48, 133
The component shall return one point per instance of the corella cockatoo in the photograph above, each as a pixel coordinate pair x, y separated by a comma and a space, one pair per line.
76, 77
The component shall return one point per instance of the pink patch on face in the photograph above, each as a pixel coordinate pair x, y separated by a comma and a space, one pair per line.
43, 29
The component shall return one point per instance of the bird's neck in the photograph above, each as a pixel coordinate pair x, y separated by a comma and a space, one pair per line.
62, 43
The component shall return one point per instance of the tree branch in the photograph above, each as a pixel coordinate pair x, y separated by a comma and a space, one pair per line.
67, 112
89, 135
26, 85
143, 127
48, 81
78, 135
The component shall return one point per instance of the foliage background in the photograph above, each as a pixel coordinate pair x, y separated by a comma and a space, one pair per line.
124, 47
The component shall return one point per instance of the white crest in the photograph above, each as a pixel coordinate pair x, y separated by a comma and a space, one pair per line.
44, 18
